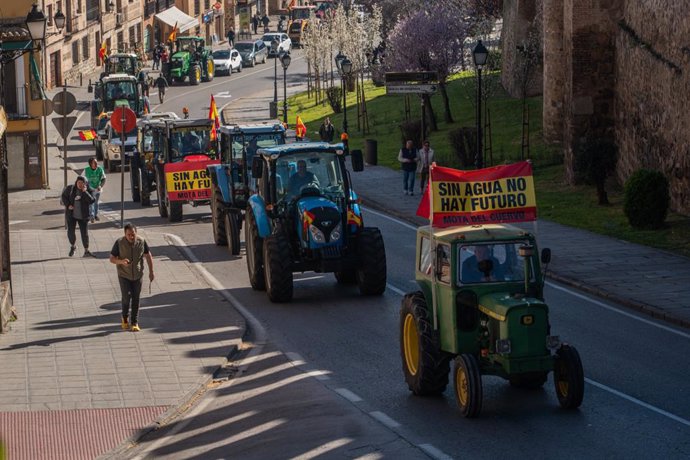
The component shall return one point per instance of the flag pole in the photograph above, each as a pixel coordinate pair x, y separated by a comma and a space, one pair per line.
430, 190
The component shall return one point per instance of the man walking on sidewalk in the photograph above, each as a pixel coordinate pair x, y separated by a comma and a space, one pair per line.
96, 178
128, 254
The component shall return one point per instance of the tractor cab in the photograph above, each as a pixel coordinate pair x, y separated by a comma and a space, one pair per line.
126, 63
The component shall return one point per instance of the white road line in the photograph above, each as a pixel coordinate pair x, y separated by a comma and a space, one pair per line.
384, 419
347, 394
323, 449
434, 452
15, 222
395, 289
638, 402
616, 310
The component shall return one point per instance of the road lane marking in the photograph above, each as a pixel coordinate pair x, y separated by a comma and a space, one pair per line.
347, 394
400, 292
323, 448
295, 358
384, 419
639, 402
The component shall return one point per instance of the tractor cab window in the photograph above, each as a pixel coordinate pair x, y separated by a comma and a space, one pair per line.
309, 173
443, 263
190, 141
485, 263
118, 91
425, 256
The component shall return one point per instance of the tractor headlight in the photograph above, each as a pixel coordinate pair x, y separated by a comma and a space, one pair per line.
316, 234
503, 346
336, 232
553, 342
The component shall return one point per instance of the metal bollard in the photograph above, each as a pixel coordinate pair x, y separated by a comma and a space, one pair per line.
81, 79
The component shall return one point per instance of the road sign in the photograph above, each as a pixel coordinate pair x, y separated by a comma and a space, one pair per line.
402, 77
47, 107
64, 103
410, 89
130, 120
64, 125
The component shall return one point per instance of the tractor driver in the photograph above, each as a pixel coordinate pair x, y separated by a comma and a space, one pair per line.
301, 178
482, 266
191, 143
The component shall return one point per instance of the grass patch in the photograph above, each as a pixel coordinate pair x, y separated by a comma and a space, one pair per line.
575, 206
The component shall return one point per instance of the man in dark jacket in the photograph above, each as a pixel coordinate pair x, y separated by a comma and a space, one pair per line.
327, 130
77, 199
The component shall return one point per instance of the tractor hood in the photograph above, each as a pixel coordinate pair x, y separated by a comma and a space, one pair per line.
499, 304
321, 221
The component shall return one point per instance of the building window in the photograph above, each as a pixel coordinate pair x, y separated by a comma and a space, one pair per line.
207, 5
49, 9
132, 37
120, 41
197, 7
78, 6
75, 52
85, 47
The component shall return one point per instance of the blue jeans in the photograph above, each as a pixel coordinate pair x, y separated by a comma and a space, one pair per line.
408, 180
93, 207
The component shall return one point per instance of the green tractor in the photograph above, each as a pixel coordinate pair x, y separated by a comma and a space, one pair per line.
191, 59
481, 304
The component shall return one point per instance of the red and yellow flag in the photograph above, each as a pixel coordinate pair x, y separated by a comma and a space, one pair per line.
292, 4
103, 52
500, 194
213, 115
353, 219
300, 128
87, 135
173, 34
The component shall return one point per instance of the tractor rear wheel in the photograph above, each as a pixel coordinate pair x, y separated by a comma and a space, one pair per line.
175, 211
468, 385
135, 183
255, 263
346, 277
425, 365
217, 220
146, 189
160, 191
232, 232
568, 377
278, 268
371, 274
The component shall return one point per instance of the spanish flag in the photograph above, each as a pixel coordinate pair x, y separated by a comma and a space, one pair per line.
300, 129
173, 34
103, 52
213, 115
292, 4
87, 135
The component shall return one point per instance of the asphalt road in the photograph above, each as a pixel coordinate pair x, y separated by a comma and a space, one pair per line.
637, 395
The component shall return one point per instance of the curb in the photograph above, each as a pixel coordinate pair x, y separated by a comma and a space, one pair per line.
640, 307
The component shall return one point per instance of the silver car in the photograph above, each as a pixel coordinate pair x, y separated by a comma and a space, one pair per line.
252, 52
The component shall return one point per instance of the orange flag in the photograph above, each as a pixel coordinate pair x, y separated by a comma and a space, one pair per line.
173, 34
213, 115
300, 129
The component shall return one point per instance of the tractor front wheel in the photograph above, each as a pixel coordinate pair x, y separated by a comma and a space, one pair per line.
217, 219
371, 274
232, 232
568, 377
160, 191
210, 70
425, 366
174, 211
194, 75
278, 268
468, 385
135, 179
255, 263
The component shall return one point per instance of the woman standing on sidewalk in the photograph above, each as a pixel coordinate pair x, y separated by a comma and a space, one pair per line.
77, 200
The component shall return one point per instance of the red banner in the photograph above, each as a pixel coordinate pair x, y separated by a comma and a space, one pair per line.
188, 180
501, 194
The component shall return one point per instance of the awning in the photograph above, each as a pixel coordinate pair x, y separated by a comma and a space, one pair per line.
16, 46
173, 16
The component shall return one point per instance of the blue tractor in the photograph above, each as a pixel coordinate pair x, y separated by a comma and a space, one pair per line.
306, 216
231, 179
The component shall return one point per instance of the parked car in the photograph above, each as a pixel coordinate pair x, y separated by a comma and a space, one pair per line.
252, 52
284, 42
227, 61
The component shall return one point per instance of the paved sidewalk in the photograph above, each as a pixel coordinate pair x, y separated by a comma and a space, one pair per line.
66, 359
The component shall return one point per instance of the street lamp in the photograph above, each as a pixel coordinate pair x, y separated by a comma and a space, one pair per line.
285, 61
344, 66
479, 55
274, 50
36, 23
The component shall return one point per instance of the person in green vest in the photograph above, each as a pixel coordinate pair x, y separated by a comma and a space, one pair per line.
95, 177
128, 253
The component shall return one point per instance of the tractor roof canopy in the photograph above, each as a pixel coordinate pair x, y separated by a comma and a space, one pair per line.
302, 147
477, 233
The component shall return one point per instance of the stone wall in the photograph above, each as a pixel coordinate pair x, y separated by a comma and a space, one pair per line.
521, 25
652, 93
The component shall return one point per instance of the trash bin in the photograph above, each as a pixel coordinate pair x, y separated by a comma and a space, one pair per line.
273, 109
371, 152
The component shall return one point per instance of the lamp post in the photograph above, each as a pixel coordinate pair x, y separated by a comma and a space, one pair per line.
274, 50
344, 66
479, 55
285, 61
